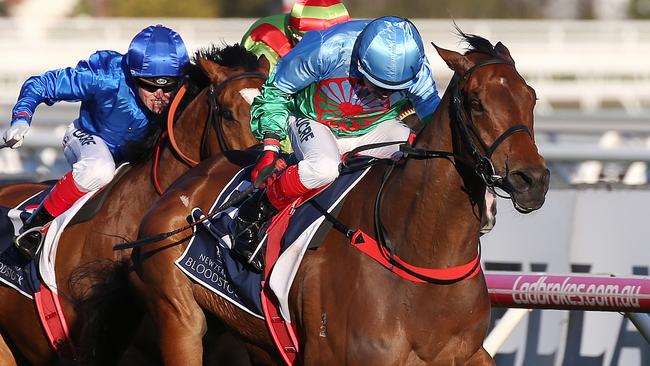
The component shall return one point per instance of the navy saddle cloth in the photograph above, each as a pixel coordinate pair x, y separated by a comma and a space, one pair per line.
208, 260
15, 270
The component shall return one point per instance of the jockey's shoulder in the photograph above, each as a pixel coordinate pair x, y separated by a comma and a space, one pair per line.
104, 60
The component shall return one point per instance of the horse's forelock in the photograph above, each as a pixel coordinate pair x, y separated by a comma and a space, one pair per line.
477, 43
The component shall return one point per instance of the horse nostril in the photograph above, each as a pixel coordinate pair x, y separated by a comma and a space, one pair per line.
522, 180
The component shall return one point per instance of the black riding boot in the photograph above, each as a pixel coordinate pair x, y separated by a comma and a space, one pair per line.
29, 241
253, 213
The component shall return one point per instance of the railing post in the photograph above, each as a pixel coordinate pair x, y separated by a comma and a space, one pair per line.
642, 323
505, 326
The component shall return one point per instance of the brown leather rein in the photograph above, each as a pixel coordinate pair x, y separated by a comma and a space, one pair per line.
214, 116
215, 119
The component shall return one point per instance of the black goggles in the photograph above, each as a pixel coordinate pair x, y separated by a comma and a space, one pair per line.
167, 85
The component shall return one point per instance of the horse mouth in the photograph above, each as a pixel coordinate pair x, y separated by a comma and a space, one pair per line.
527, 189
523, 209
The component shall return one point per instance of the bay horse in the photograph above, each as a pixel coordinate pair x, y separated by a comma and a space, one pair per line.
348, 309
215, 117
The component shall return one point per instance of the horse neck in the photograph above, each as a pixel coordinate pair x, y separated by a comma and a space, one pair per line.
188, 132
438, 224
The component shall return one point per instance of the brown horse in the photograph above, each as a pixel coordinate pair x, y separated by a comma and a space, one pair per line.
198, 134
348, 309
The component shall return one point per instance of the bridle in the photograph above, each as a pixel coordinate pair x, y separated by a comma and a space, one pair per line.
215, 117
215, 114
480, 162
463, 125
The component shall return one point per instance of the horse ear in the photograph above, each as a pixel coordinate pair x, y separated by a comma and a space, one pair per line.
454, 60
504, 52
213, 70
265, 65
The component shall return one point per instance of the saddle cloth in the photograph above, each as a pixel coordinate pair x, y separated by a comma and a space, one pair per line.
15, 270
208, 261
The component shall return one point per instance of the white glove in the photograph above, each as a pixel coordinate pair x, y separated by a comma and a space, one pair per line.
14, 135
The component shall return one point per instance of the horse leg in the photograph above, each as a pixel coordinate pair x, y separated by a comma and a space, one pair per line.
168, 296
21, 328
481, 358
6, 357
181, 323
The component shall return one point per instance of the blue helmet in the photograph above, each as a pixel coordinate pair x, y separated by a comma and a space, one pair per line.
390, 52
157, 51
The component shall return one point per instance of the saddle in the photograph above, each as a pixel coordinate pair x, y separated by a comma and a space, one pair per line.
90, 209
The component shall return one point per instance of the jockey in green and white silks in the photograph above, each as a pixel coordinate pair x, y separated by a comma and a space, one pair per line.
274, 36
336, 90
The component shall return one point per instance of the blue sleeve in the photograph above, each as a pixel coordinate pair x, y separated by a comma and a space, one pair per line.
69, 84
423, 94
302, 66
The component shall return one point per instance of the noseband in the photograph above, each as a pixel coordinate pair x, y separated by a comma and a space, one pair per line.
482, 164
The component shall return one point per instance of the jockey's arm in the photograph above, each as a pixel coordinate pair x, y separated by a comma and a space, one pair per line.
270, 111
424, 95
69, 84
301, 67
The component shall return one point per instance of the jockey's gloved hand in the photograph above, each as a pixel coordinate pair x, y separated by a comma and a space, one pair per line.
270, 164
14, 135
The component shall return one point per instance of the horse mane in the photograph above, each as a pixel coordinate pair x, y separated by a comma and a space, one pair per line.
477, 44
233, 56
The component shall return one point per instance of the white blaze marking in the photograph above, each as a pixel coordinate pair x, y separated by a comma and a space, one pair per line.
185, 200
249, 94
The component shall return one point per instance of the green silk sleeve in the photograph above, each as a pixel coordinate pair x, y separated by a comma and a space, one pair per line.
270, 111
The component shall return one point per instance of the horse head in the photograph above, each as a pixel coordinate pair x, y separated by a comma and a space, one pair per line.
491, 110
230, 95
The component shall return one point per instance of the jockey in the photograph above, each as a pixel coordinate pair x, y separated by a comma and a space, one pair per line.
274, 36
339, 89
122, 96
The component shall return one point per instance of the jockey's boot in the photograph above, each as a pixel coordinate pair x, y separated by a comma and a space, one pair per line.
253, 213
30, 240
62, 196
261, 207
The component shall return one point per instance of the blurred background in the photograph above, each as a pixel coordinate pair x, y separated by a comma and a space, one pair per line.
588, 60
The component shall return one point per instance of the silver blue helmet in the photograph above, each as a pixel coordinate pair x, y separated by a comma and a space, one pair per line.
157, 51
390, 52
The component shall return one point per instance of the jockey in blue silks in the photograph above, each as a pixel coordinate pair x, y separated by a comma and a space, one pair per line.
121, 95
338, 89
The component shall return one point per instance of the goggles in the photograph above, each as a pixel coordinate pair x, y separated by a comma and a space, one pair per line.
166, 84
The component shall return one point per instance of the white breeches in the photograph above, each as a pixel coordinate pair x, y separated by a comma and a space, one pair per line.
92, 162
320, 151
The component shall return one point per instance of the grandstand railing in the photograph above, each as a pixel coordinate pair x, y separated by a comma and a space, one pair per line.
589, 63
596, 69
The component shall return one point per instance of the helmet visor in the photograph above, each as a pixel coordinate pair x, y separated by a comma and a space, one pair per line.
384, 84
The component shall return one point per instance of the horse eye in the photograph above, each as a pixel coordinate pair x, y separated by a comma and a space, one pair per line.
476, 105
226, 114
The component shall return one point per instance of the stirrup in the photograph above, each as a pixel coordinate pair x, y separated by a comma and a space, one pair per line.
255, 261
245, 251
28, 250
